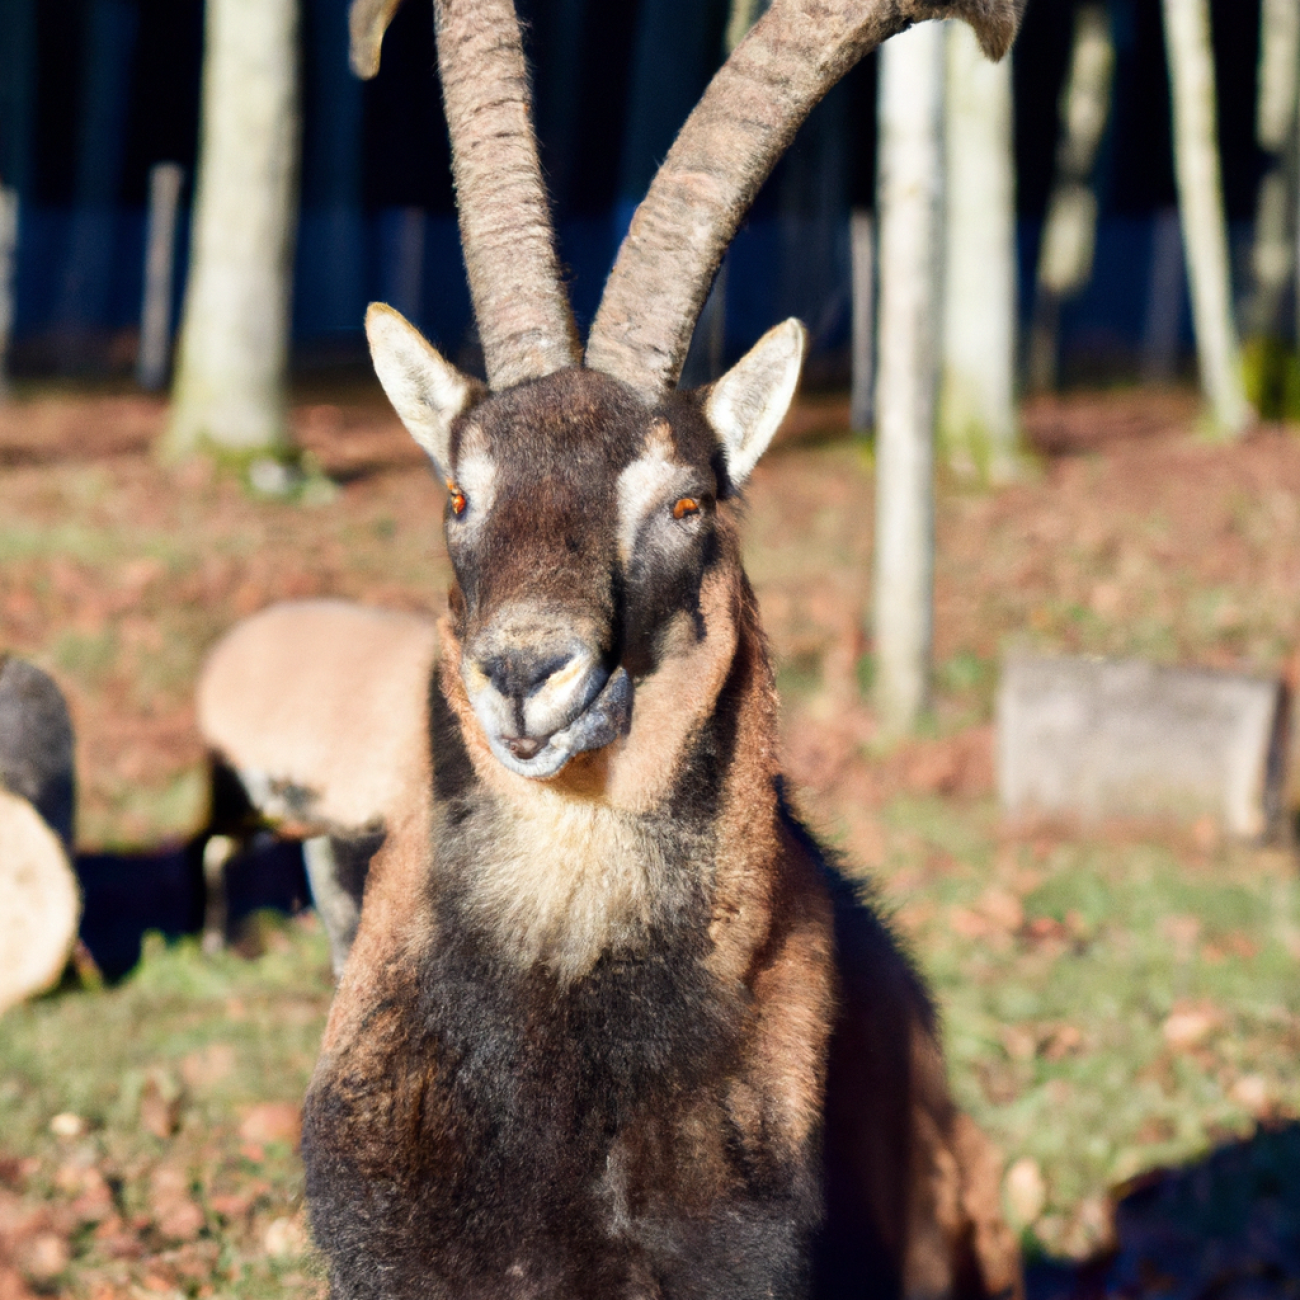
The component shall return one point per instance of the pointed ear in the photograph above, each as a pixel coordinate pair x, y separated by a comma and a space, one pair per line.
426, 391
746, 406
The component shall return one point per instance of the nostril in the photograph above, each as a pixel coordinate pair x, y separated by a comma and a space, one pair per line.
524, 747
518, 676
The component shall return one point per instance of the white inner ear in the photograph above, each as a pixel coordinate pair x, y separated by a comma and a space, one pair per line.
746, 406
426, 390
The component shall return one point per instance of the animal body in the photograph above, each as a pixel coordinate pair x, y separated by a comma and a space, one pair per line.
314, 712
614, 1024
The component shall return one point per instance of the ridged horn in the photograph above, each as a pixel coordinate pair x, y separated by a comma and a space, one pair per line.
725, 151
367, 22
524, 320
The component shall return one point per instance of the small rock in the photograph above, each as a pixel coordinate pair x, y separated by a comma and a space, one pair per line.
285, 1237
67, 1125
1026, 1190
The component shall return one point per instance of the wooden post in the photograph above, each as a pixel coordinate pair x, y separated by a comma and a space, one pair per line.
8, 276
978, 425
862, 251
1200, 204
910, 188
165, 180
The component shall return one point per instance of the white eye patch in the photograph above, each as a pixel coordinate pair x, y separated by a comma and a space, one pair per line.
476, 475
645, 484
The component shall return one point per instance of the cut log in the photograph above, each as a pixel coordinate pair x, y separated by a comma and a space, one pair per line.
1097, 738
36, 745
39, 903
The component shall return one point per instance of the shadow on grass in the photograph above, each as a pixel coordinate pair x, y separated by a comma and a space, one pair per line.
126, 895
1225, 1228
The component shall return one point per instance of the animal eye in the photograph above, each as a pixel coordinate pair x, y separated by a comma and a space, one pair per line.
458, 501
686, 506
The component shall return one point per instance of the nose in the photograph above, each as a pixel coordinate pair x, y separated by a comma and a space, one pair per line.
519, 675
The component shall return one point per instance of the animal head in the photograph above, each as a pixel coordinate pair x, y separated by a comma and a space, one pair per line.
587, 496
581, 522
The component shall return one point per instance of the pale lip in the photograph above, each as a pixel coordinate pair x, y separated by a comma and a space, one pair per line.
604, 720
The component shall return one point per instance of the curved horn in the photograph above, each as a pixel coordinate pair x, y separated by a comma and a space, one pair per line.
524, 320
725, 151
367, 22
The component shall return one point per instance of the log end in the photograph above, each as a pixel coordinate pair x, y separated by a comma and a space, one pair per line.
42, 904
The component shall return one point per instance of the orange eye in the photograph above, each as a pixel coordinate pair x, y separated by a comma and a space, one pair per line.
458, 502
686, 506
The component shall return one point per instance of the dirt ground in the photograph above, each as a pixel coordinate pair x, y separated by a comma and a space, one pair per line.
1062, 960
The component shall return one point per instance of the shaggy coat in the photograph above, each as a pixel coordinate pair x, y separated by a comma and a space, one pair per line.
626, 1031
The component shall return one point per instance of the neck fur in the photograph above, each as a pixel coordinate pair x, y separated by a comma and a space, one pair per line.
628, 839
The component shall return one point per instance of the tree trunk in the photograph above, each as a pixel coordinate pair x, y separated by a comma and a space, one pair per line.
1070, 228
165, 181
977, 411
862, 251
8, 278
229, 392
910, 184
1200, 202
1272, 261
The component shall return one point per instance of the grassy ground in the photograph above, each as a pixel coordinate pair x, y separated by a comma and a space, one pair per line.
1112, 1001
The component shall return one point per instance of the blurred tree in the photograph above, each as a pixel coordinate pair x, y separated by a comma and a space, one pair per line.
8, 247
910, 185
977, 406
1200, 206
1070, 229
1270, 366
230, 387
83, 306
17, 60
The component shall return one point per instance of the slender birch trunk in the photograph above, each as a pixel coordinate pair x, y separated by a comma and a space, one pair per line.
230, 388
165, 181
862, 251
977, 407
1273, 256
8, 249
910, 186
1200, 203
1070, 228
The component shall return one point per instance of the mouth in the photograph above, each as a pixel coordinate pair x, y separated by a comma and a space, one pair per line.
603, 721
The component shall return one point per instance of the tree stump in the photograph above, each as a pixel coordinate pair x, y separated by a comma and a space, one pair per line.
1097, 738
